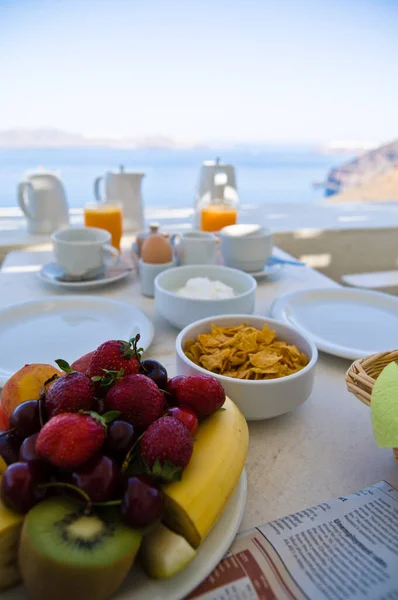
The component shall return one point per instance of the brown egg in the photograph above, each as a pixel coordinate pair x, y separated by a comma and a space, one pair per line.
156, 250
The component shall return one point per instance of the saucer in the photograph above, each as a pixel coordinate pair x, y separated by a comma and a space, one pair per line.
269, 269
52, 273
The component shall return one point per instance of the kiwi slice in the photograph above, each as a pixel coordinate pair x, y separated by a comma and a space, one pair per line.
66, 554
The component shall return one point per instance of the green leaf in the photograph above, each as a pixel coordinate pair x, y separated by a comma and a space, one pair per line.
110, 416
157, 468
63, 365
96, 378
165, 472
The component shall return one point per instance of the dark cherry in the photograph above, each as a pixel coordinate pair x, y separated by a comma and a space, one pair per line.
99, 478
142, 502
171, 389
9, 447
99, 405
186, 416
155, 371
27, 453
25, 419
119, 439
19, 487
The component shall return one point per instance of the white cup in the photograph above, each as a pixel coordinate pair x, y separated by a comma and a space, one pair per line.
246, 247
148, 273
195, 248
83, 251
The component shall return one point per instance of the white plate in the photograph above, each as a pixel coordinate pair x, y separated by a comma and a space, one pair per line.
65, 327
51, 273
350, 323
267, 271
138, 586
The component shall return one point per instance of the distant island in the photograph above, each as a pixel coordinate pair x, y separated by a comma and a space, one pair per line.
56, 138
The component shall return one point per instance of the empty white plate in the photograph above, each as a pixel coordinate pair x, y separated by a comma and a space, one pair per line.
65, 327
350, 323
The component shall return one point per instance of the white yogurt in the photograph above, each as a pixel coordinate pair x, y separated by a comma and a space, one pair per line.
206, 289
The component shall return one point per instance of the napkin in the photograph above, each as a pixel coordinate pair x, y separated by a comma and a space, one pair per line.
384, 407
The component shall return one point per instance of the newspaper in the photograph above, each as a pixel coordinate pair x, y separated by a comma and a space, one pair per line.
339, 550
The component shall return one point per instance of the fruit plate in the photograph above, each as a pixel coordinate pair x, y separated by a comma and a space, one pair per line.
65, 327
138, 586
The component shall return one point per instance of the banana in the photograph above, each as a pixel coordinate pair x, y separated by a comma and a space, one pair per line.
193, 505
164, 553
10, 529
3, 466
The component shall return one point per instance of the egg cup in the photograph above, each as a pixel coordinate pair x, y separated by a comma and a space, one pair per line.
148, 273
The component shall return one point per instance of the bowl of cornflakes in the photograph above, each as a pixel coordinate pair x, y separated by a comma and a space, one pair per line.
266, 367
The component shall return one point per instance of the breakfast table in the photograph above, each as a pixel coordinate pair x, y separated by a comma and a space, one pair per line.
322, 450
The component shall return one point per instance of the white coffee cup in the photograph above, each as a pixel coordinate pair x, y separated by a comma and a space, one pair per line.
83, 251
195, 248
246, 247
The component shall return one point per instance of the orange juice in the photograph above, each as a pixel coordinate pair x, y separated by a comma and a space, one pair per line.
106, 216
214, 218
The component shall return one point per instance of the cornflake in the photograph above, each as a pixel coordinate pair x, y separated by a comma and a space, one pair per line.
245, 352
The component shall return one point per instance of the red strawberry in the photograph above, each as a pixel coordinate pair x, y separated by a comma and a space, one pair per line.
167, 439
204, 394
186, 416
138, 399
81, 364
70, 393
69, 440
115, 355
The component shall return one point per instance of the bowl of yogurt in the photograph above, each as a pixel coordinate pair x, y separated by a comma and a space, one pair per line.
187, 294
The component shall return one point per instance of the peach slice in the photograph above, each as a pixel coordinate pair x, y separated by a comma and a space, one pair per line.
26, 384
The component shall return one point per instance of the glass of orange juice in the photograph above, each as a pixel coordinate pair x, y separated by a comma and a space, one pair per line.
106, 216
214, 217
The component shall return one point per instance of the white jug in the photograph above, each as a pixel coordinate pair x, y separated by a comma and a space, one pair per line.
124, 188
216, 185
42, 198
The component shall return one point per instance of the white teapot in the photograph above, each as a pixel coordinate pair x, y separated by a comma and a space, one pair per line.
42, 198
125, 188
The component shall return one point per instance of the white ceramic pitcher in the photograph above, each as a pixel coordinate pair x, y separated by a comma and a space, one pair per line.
125, 188
42, 198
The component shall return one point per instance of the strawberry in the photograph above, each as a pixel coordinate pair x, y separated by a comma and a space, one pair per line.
81, 364
138, 399
204, 394
70, 393
116, 356
167, 440
69, 440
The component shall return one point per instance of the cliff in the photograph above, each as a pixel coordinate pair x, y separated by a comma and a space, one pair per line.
365, 169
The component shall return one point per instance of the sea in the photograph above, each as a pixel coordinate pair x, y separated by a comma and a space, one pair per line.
269, 174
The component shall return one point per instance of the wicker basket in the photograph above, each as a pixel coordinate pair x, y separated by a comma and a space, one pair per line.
361, 376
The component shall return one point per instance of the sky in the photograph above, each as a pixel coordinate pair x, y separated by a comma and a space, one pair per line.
202, 70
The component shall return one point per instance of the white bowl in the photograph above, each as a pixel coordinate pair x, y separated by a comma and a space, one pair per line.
256, 399
180, 311
246, 247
